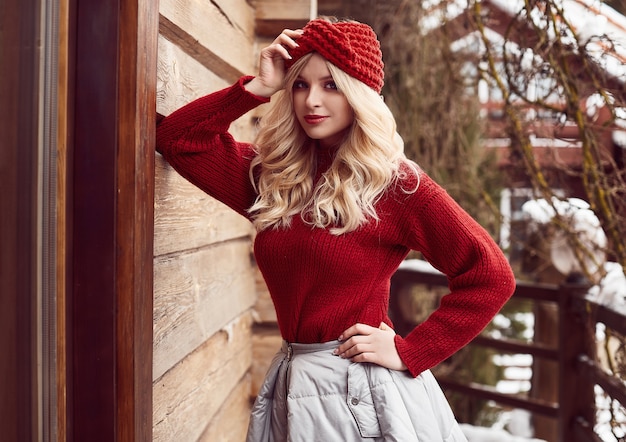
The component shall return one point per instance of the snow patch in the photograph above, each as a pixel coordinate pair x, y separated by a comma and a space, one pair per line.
481, 434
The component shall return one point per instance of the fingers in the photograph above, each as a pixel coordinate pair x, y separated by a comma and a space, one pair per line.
271, 52
363, 343
288, 37
357, 339
271, 64
356, 329
354, 346
286, 40
384, 326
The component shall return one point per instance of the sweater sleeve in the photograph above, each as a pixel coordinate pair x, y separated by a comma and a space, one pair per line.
195, 141
479, 276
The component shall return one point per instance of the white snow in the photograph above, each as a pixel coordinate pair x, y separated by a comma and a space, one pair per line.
418, 265
513, 387
612, 289
606, 412
482, 434
509, 360
541, 211
580, 220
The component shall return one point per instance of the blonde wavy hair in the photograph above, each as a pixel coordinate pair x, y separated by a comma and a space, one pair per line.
365, 164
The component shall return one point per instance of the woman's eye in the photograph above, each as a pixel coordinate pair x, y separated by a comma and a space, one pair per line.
299, 85
331, 85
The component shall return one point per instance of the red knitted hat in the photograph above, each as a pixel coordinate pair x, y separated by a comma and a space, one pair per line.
351, 46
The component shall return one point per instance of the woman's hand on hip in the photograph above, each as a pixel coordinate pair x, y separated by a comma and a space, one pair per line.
364, 343
271, 75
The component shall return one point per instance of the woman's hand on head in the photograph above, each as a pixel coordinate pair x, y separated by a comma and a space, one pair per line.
271, 75
364, 343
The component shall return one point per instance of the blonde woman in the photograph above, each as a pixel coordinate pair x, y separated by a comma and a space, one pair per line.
337, 207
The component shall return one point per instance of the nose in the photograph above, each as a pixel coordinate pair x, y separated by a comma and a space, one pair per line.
314, 97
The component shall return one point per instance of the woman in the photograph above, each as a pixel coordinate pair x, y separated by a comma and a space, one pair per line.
337, 207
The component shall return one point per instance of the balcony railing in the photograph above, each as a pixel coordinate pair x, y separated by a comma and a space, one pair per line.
576, 354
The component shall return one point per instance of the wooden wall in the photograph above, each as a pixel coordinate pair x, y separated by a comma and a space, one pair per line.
205, 280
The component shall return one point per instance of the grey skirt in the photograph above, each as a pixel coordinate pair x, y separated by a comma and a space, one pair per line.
309, 394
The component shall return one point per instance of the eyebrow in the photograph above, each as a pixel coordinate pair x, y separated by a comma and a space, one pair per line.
328, 77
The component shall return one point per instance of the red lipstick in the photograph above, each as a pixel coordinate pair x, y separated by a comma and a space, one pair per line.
314, 119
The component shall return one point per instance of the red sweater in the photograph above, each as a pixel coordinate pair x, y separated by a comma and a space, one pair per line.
320, 283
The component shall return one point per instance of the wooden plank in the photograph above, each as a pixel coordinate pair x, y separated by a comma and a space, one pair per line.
196, 294
536, 349
240, 13
266, 341
332, 7
537, 292
62, 210
92, 294
109, 258
583, 431
282, 9
189, 395
575, 339
609, 316
181, 78
230, 423
526, 290
187, 218
272, 16
203, 30
191, 46
134, 224
610, 383
271, 28
264, 311
490, 393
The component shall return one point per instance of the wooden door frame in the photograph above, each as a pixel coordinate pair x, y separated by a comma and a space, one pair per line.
110, 161
105, 236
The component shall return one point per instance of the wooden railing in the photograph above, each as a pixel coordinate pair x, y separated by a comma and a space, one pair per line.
576, 355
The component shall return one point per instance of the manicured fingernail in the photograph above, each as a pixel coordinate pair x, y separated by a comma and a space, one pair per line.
340, 338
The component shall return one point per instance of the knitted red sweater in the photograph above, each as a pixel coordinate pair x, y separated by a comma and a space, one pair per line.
320, 283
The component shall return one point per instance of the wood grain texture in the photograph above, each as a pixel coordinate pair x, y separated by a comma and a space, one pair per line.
196, 294
214, 35
136, 127
62, 205
266, 342
204, 277
230, 423
264, 312
189, 395
181, 78
186, 218
272, 16
282, 9
238, 12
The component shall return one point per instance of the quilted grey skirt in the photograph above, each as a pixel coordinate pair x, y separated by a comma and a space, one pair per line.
309, 394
